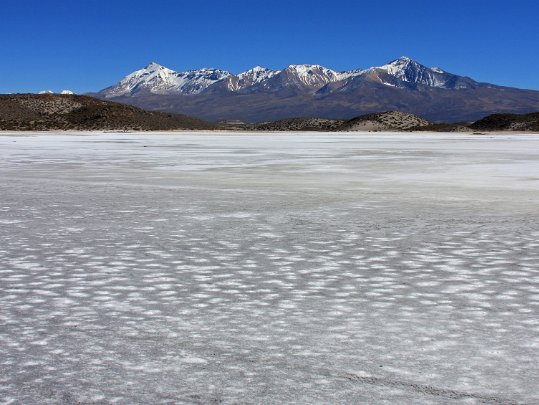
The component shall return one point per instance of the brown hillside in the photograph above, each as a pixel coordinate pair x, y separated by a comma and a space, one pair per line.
300, 124
385, 121
508, 122
37, 112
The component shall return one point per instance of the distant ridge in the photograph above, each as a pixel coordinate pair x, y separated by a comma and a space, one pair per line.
262, 94
396, 121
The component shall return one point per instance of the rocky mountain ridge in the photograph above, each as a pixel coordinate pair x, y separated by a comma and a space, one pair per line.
157, 79
262, 94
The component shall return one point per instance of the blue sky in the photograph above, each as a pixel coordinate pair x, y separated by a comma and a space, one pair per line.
86, 45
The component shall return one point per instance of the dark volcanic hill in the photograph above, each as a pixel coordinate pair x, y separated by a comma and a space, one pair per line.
72, 112
300, 124
508, 122
262, 94
386, 121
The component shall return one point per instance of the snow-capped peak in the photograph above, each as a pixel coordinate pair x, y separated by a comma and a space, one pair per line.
158, 79
409, 71
52, 92
304, 67
398, 65
307, 69
257, 74
403, 59
251, 77
257, 69
312, 75
154, 66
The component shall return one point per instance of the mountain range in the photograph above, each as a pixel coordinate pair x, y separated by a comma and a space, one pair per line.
262, 94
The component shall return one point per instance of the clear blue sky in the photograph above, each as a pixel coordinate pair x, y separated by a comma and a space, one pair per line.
86, 45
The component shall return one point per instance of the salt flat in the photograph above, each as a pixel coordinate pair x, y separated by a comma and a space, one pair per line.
297, 268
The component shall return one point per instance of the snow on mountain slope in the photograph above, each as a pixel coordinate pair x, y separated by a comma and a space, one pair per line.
402, 73
52, 92
309, 78
158, 79
311, 75
251, 77
256, 75
196, 81
407, 71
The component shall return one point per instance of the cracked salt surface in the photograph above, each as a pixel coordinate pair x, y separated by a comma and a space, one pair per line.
313, 268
